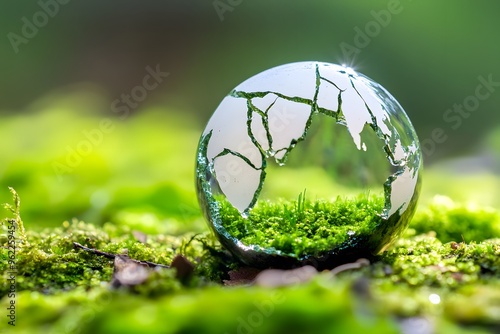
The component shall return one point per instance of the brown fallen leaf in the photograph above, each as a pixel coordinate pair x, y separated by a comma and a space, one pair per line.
275, 277
242, 276
185, 268
128, 272
349, 266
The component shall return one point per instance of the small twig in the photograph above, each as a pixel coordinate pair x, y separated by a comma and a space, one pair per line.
112, 256
95, 251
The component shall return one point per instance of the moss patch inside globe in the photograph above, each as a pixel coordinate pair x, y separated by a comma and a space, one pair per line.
304, 227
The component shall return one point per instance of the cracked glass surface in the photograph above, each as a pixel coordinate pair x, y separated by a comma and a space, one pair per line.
273, 120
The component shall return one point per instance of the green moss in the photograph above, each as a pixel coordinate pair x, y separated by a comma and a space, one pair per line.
424, 261
61, 289
50, 262
304, 227
464, 276
110, 183
457, 222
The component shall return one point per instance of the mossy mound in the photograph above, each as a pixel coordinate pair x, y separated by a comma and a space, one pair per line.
303, 227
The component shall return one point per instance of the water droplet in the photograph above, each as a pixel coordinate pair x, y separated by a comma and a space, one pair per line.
315, 126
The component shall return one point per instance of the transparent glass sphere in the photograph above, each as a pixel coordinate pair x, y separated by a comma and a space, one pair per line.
308, 163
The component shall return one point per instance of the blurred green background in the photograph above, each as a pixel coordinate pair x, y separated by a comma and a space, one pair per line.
61, 76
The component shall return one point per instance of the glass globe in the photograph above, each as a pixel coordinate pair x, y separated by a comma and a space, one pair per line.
308, 163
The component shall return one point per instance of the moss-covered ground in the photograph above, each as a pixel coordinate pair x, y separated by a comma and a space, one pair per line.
441, 277
451, 285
